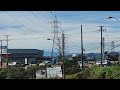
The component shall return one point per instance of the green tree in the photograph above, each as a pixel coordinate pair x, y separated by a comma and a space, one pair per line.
3, 73
31, 70
71, 67
17, 73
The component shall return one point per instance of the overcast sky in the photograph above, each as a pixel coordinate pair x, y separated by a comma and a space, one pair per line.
31, 29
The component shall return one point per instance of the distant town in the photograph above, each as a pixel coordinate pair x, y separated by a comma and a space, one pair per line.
59, 45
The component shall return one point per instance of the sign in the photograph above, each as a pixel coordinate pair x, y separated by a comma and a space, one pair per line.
26, 61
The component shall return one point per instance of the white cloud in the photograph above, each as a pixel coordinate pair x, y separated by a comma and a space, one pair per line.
70, 24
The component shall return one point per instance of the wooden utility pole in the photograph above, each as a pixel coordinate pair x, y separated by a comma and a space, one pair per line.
7, 50
63, 53
82, 47
1, 53
101, 30
103, 48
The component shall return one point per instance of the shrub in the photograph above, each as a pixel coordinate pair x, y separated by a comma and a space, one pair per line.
3, 73
112, 72
95, 72
31, 70
73, 76
71, 70
109, 72
16, 73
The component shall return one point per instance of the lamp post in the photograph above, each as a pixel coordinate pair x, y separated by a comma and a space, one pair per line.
114, 18
110, 17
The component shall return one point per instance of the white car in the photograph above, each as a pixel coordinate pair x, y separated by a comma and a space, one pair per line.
13, 63
104, 62
42, 64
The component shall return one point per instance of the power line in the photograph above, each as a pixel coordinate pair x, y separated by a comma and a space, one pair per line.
38, 24
50, 16
31, 20
43, 14
39, 21
25, 38
39, 18
21, 23
44, 19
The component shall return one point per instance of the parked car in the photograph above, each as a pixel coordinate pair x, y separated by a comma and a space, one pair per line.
104, 63
44, 63
13, 64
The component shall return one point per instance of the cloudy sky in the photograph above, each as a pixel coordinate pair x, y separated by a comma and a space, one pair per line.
31, 29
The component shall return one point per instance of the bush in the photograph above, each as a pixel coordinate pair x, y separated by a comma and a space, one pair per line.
73, 76
3, 73
84, 74
71, 67
17, 73
109, 72
95, 72
112, 72
71, 70
32, 70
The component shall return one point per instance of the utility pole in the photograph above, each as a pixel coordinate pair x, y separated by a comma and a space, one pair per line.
103, 48
112, 46
82, 47
101, 30
7, 50
1, 53
63, 53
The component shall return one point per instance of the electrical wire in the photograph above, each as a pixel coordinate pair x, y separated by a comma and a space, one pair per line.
32, 21
21, 23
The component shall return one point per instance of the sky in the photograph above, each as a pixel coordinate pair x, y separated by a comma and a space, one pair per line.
31, 29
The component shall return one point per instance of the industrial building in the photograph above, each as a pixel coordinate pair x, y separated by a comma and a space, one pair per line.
19, 55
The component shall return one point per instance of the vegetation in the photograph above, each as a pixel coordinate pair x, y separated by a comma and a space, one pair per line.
72, 71
31, 71
18, 72
95, 72
71, 67
3, 73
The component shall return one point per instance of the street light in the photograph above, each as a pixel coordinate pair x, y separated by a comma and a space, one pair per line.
114, 18
49, 39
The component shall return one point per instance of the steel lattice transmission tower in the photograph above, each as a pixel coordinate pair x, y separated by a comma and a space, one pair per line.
56, 46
